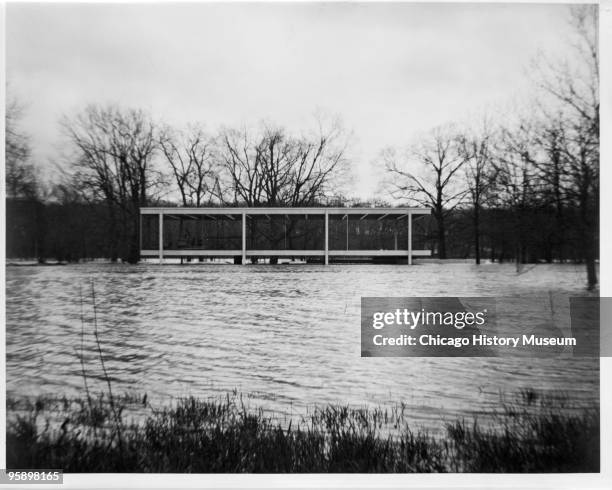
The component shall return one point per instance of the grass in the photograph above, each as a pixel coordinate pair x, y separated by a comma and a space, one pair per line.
223, 435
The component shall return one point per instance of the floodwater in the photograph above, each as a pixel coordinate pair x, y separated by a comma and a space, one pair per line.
287, 336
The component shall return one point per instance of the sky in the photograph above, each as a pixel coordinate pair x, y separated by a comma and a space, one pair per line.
389, 70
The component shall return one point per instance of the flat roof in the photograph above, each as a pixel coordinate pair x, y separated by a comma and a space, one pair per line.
277, 210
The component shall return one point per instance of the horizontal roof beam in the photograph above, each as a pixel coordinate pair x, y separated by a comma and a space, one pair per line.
280, 211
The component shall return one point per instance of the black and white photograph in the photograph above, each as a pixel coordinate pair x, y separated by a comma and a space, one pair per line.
303, 239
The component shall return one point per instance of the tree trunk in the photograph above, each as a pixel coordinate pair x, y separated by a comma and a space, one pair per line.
477, 233
114, 235
441, 238
590, 254
133, 255
591, 272
133, 238
41, 231
590, 245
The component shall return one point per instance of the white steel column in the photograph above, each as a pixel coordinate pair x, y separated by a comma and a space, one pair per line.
326, 238
347, 218
243, 238
409, 238
161, 237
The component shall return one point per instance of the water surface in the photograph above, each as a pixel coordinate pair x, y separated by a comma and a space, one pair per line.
288, 336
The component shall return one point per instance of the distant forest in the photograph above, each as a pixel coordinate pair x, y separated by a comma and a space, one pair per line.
518, 187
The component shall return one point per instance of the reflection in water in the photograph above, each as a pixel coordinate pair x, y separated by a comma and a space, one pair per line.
287, 335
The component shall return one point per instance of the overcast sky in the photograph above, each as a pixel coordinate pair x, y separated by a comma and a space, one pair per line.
389, 70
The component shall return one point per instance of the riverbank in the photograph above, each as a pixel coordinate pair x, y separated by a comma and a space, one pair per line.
532, 433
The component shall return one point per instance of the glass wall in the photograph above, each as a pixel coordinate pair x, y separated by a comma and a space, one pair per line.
202, 232
368, 232
286, 232
282, 232
421, 232
149, 232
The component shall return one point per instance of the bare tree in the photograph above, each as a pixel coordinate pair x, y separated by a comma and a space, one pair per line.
427, 175
579, 147
113, 161
517, 185
22, 183
277, 169
191, 157
555, 182
320, 165
21, 179
243, 166
479, 172
573, 102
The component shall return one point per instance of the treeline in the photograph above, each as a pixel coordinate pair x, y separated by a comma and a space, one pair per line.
522, 187
77, 231
67, 232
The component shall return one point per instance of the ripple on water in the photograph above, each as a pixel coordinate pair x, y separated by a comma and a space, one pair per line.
288, 334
